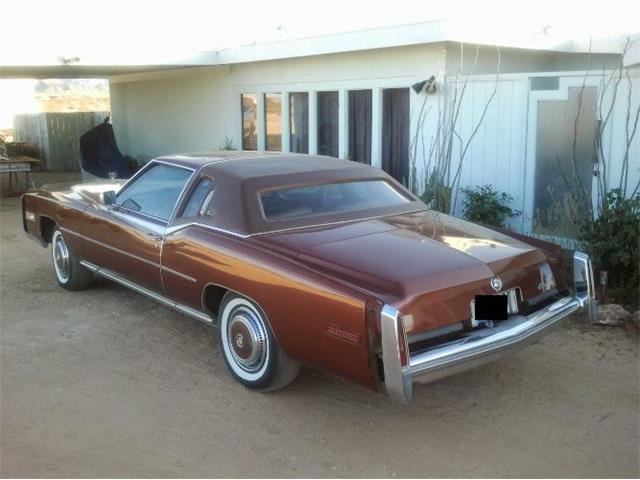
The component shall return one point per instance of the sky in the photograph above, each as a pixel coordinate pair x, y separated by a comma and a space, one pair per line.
123, 30
39, 32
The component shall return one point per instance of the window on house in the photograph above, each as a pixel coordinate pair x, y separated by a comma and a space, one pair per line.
328, 123
299, 122
249, 102
360, 126
273, 121
395, 133
545, 83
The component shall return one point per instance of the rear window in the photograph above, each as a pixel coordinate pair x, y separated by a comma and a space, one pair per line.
301, 202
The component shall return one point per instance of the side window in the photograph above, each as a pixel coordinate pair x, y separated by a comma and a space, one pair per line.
155, 192
200, 196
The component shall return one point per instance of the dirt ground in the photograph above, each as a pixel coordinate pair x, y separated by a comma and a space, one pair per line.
106, 382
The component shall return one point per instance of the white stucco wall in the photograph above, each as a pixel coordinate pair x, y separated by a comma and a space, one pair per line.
171, 115
521, 60
194, 109
502, 153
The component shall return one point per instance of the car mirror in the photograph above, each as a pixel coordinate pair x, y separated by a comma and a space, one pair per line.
109, 198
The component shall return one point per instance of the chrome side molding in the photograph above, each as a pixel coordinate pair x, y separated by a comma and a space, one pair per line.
103, 272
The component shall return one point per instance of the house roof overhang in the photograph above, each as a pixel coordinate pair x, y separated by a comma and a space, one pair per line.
91, 64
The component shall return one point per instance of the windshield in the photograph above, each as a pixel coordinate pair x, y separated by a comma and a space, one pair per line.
155, 191
301, 202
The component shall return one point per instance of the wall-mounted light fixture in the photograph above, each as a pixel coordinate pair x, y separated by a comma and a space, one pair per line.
428, 85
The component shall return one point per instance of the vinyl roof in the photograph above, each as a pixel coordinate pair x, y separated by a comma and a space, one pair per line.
244, 165
241, 176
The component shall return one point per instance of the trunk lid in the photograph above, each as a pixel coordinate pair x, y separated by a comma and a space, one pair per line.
427, 264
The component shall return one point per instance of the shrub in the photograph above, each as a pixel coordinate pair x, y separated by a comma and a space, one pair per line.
3, 148
612, 241
436, 194
227, 144
132, 164
488, 206
563, 218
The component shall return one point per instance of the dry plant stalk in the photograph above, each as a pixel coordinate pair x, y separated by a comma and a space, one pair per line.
438, 183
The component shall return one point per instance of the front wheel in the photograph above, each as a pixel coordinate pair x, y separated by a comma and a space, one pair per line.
251, 353
69, 273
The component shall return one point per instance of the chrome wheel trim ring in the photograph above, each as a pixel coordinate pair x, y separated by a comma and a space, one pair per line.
244, 339
60, 255
247, 339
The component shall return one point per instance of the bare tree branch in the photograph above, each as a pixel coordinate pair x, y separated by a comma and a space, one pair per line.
624, 176
578, 186
603, 124
456, 178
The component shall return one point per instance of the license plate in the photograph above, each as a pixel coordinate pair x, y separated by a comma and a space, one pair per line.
491, 307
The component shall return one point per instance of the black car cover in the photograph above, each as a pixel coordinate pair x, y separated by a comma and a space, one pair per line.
100, 154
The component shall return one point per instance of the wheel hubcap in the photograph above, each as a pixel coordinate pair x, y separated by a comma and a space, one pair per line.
61, 257
247, 338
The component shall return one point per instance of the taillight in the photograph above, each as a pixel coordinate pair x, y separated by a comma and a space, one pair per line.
403, 347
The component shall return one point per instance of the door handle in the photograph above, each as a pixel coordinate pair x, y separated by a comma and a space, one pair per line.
154, 236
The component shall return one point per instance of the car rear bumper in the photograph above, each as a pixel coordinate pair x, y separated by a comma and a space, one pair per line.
402, 370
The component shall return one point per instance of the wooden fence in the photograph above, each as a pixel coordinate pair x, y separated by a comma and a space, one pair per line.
57, 136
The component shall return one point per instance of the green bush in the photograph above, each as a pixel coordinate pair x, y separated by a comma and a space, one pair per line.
488, 206
227, 144
613, 242
436, 194
132, 164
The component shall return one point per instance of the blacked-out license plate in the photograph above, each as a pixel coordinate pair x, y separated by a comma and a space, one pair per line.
491, 307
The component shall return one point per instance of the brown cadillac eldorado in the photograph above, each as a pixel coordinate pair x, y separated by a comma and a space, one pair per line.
309, 259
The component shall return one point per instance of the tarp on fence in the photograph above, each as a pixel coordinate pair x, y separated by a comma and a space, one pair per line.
100, 155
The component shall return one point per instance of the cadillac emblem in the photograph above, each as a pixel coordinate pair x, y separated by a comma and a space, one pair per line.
496, 283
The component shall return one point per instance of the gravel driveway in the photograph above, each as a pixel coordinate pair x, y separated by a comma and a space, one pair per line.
108, 383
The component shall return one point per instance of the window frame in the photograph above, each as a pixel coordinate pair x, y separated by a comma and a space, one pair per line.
391, 128
306, 119
139, 174
319, 119
353, 99
265, 120
179, 215
268, 220
257, 122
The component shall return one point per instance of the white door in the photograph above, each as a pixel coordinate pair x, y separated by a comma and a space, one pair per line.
561, 153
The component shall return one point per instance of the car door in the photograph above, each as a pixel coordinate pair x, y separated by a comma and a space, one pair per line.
126, 236
181, 259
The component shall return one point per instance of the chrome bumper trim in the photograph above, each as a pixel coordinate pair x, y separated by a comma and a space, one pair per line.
482, 345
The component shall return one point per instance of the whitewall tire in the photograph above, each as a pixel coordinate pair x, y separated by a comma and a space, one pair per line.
250, 351
66, 266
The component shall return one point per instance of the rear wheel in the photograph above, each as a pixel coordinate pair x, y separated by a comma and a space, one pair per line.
251, 353
69, 273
